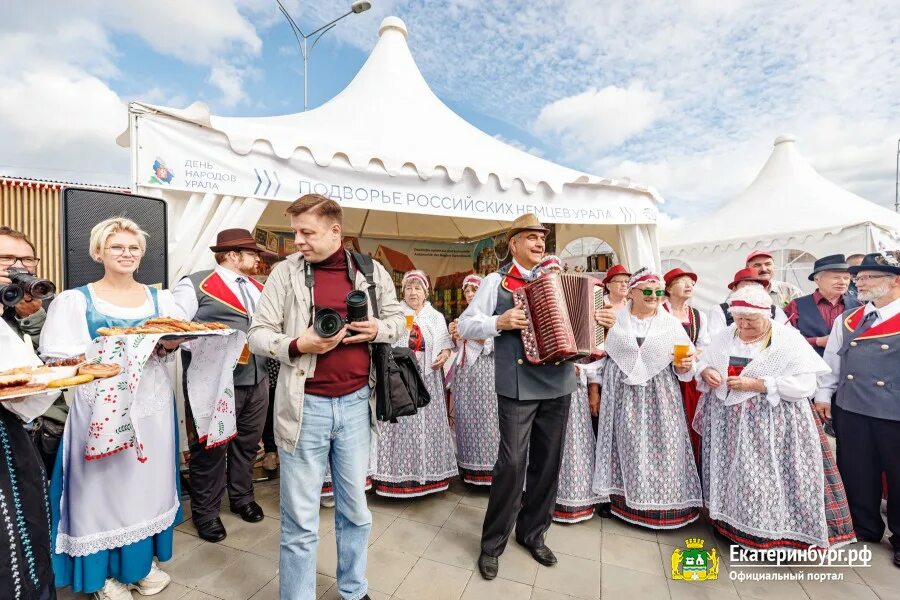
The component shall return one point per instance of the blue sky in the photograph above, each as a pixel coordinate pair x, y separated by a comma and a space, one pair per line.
686, 96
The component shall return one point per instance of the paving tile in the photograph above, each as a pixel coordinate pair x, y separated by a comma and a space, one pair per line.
516, 564
198, 595
183, 543
468, 519
539, 594
769, 590
720, 584
887, 593
407, 536
380, 523
574, 576
455, 548
699, 591
386, 568
240, 579
206, 559
242, 535
324, 583
619, 582
619, 527
578, 539
837, 590
477, 497
66, 593
390, 506
429, 510
433, 580
269, 546
269, 591
881, 572
173, 591
498, 589
631, 553
326, 520
676, 537
326, 555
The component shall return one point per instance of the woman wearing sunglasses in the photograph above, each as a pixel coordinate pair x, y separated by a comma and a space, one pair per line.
644, 463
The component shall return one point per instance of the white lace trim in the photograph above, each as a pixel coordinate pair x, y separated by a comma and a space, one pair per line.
421, 479
770, 535
116, 538
605, 493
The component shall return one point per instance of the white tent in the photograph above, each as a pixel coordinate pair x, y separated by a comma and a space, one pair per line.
789, 209
400, 161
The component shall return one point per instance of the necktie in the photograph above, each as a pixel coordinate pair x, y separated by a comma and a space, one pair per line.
246, 298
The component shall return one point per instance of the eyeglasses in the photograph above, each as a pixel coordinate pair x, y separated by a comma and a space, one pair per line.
657, 293
117, 250
252, 253
859, 278
8, 260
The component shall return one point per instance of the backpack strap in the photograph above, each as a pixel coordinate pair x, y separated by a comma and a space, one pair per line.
366, 266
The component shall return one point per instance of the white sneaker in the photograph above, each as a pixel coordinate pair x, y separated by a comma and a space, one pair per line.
327, 501
113, 590
155, 581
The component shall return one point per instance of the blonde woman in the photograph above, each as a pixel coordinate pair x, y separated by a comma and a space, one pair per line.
415, 454
114, 515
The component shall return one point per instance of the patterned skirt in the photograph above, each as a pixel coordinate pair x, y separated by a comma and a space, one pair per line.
758, 503
477, 431
644, 463
575, 500
691, 397
415, 454
26, 571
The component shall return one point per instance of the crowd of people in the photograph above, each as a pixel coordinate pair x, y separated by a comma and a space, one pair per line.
681, 415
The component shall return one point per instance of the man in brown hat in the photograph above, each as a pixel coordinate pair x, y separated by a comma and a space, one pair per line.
227, 294
532, 403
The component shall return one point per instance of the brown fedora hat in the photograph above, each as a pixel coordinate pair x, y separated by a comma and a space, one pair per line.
526, 222
237, 239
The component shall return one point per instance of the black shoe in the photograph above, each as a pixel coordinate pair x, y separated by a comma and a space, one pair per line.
250, 512
212, 531
488, 566
603, 510
897, 557
542, 554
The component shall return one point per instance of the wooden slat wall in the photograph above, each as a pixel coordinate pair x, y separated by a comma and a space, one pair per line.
33, 209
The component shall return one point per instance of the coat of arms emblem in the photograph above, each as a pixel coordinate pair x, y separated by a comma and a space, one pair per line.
693, 563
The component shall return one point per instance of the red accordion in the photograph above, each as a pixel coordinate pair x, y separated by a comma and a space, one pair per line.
560, 311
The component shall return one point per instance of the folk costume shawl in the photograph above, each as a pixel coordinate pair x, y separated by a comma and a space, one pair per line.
787, 354
641, 363
434, 330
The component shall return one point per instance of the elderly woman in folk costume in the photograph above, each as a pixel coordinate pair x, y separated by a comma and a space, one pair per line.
644, 464
616, 284
415, 454
769, 477
112, 516
679, 291
477, 433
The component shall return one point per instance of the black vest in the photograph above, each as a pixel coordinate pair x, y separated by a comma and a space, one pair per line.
514, 376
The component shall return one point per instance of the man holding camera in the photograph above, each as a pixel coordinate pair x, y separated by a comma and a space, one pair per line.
227, 294
323, 410
26, 316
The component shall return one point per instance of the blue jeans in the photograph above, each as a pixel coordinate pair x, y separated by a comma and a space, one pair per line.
335, 430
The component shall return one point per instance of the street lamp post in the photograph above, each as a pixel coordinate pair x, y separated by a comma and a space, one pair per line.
897, 181
359, 6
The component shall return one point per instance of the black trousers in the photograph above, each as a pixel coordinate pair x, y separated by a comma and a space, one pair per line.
268, 434
866, 448
532, 433
229, 465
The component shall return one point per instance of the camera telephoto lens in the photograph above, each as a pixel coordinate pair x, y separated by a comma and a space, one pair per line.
357, 306
328, 322
37, 288
11, 294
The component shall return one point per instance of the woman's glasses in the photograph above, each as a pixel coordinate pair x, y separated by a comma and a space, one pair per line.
657, 293
117, 250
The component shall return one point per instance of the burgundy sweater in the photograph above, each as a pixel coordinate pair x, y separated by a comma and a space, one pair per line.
344, 369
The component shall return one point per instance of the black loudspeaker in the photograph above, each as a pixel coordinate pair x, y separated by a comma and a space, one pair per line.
83, 208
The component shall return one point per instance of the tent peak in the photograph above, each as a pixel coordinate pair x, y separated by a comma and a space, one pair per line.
785, 138
393, 23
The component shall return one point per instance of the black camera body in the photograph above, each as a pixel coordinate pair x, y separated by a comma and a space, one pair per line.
328, 322
23, 283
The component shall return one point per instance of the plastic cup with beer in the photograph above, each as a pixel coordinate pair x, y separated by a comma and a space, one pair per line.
409, 321
681, 352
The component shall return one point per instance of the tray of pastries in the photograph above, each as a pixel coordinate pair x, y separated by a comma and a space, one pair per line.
168, 326
27, 381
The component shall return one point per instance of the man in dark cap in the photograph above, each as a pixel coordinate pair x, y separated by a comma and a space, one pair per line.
814, 314
227, 294
863, 351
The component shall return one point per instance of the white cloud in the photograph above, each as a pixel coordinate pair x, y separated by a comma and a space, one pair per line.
230, 81
599, 119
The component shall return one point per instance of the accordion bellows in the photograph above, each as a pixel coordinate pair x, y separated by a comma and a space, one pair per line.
560, 311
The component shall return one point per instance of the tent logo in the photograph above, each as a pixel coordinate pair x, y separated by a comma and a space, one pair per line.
161, 173
695, 563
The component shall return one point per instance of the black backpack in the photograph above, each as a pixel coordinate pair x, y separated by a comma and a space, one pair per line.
399, 388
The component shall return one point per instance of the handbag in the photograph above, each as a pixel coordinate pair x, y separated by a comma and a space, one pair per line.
399, 388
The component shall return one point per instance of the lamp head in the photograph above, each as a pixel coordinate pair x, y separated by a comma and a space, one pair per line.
360, 6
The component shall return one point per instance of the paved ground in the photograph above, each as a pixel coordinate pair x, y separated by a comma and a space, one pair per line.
427, 550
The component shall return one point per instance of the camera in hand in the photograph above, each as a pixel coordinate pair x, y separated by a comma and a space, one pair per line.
23, 283
328, 322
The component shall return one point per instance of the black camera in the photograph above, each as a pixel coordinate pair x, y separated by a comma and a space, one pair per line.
329, 322
23, 283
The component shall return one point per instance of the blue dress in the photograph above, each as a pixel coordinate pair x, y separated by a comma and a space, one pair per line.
127, 564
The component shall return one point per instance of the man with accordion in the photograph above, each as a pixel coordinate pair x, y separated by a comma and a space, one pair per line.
532, 401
